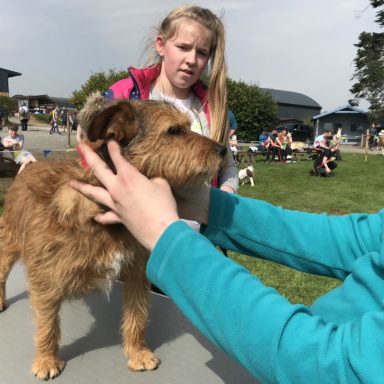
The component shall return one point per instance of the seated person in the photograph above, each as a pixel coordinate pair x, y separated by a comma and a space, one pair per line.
286, 142
263, 140
275, 147
320, 139
15, 142
324, 163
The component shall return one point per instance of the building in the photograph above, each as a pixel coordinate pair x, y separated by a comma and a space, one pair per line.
43, 102
5, 74
293, 106
352, 120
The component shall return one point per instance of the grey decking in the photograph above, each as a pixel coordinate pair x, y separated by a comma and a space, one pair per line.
91, 343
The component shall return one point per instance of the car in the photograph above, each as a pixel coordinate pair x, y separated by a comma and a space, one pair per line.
299, 131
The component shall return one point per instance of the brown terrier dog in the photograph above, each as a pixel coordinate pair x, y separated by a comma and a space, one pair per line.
66, 253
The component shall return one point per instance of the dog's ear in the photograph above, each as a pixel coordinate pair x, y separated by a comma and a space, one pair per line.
117, 122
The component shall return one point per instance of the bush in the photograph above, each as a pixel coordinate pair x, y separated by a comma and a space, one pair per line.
253, 108
43, 117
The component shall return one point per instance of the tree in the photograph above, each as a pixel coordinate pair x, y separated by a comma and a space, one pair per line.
8, 103
99, 81
254, 109
369, 64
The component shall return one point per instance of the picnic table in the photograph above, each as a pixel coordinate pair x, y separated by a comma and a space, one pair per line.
248, 153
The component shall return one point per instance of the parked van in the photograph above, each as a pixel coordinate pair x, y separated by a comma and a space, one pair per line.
299, 131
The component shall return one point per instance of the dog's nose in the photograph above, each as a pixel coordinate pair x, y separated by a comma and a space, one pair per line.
221, 149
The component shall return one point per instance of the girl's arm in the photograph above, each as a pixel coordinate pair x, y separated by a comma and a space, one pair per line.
276, 341
228, 177
8, 142
310, 242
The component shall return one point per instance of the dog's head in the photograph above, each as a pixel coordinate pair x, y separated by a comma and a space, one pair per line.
249, 171
155, 137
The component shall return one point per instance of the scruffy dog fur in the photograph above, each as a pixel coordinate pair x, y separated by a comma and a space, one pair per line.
50, 226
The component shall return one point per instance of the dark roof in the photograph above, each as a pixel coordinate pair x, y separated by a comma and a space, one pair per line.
293, 98
346, 109
45, 99
10, 73
62, 101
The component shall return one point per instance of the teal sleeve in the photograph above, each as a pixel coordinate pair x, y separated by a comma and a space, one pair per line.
276, 341
310, 242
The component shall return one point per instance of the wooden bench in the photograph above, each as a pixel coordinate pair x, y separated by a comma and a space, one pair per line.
8, 167
249, 157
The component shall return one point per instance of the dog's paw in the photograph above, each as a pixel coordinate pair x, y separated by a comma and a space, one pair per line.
47, 368
145, 360
3, 306
3, 302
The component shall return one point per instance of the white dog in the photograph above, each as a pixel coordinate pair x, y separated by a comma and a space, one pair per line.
246, 174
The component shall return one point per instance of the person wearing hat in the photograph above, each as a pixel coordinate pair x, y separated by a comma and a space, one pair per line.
15, 142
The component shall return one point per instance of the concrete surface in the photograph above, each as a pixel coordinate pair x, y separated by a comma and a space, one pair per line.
91, 343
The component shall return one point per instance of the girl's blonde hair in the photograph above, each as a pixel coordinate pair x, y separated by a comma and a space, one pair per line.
216, 69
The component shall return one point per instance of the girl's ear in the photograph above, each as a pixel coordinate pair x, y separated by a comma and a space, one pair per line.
159, 45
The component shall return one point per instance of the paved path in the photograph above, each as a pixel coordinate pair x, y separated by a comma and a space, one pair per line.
37, 139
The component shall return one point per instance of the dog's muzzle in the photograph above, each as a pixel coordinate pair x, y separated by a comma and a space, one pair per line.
221, 150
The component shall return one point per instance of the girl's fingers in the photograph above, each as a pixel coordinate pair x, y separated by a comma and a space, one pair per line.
94, 193
96, 164
108, 218
118, 160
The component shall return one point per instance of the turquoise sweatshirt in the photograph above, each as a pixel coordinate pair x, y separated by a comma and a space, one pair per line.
339, 339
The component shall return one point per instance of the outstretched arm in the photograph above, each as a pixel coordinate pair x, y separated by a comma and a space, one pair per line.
310, 242
277, 341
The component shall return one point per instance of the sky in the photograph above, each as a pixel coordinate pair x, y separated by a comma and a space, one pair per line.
305, 46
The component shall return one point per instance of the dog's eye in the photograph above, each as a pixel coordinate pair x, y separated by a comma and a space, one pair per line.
174, 130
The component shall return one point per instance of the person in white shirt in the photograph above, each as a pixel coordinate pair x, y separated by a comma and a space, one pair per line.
15, 142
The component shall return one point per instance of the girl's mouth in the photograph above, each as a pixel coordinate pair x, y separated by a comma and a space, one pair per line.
187, 72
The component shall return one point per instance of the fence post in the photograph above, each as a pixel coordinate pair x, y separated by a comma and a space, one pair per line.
366, 145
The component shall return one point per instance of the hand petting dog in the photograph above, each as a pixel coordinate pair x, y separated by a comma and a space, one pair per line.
145, 206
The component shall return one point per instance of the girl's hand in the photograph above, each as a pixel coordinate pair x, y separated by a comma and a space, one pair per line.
146, 207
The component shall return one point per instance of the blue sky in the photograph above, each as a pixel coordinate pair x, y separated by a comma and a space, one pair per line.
304, 46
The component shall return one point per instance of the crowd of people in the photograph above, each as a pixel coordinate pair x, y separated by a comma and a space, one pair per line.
277, 145
60, 117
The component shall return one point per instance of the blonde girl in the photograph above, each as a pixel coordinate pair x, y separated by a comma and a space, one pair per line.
189, 43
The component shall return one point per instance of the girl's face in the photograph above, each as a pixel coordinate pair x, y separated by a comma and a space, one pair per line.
185, 56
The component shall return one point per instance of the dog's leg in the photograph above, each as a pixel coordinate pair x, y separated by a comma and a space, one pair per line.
252, 182
46, 364
8, 256
135, 318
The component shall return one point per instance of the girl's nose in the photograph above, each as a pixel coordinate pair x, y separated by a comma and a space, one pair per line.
191, 57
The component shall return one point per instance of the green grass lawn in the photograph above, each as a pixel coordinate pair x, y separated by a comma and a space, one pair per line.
355, 186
